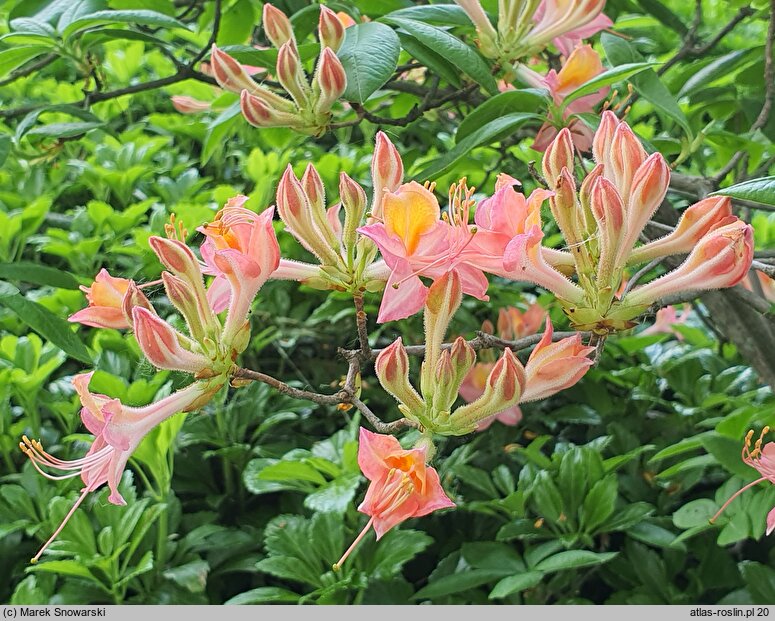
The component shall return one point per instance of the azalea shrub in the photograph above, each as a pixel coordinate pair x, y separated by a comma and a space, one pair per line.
387, 302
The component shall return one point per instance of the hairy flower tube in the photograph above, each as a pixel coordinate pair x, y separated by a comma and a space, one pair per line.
117, 430
307, 108
602, 221
763, 460
526, 27
401, 485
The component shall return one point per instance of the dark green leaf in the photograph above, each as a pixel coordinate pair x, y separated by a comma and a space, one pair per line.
15, 57
502, 104
573, 559
441, 14
369, 56
611, 76
37, 274
515, 584
760, 191
134, 18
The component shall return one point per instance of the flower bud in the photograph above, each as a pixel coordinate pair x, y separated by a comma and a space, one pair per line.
260, 114
463, 357
392, 369
277, 26
229, 73
296, 212
354, 202
502, 390
162, 344
648, 189
188, 105
553, 367
387, 172
330, 29
189, 304
291, 75
565, 210
558, 155
488, 37
177, 257
608, 210
443, 393
601, 145
444, 298
134, 297
696, 222
315, 192
330, 81
624, 159
720, 259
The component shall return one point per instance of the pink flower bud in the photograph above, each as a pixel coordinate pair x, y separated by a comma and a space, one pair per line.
330, 79
134, 297
177, 257
624, 159
601, 145
649, 186
277, 26
330, 29
696, 222
488, 37
229, 73
291, 74
313, 186
260, 114
188, 105
296, 212
720, 259
193, 307
463, 356
502, 390
566, 212
163, 345
558, 155
392, 369
387, 171
608, 210
443, 299
553, 367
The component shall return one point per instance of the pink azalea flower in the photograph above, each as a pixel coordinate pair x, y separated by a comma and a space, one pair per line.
567, 22
106, 302
581, 66
665, 321
401, 485
241, 250
763, 459
415, 241
118, 430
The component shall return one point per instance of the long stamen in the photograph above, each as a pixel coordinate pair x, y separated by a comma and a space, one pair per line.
338, 565
735, 495
77, 504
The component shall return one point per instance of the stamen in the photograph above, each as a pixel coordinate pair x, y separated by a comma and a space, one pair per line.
338, 565
735, 495
77, 504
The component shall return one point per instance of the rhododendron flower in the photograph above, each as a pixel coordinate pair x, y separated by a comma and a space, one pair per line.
580, 67
106, 302
415, 241
581, 27
665, 321
238, 232
401, 485
117, 430
763, 460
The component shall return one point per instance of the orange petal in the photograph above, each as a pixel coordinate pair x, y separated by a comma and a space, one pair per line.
409, 212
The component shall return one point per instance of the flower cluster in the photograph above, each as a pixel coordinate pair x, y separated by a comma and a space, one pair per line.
308, 108
240, 251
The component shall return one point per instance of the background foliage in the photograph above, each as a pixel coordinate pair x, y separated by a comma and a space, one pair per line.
601, 494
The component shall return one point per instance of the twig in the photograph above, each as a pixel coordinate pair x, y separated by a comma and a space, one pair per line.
364, 409
363, 332
246, 374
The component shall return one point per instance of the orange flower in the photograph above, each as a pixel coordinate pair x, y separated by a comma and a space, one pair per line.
105, 297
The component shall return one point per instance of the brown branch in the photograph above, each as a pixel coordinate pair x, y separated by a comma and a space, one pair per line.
246, 374
363, 332
381, 427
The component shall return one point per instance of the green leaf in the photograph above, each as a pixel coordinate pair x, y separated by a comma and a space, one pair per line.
136, 18
293, 471
695, 513
452, 49
430, 59
5, 147
37, 274
664, 15
457, 583
395, 549
573, 559
64, 130
760, 581
218, 130
64, 568
44, 322
369, 56
441, 14
720, 67
488, 133
600, 503
334, 497
647, 82
15, 57
526, 100
761, 190
191, 576
616, 74
515, 584
263, 595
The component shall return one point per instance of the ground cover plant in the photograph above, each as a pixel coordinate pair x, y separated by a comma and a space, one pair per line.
387, 302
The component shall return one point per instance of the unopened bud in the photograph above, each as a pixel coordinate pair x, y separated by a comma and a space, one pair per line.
601, 145
387, 172
291, 75
330, 29
188, 105
558, 155
392, 369
162, 344
330, 81
353, 200
229, 73
177, 257
277, 26
259, 114
625, 158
